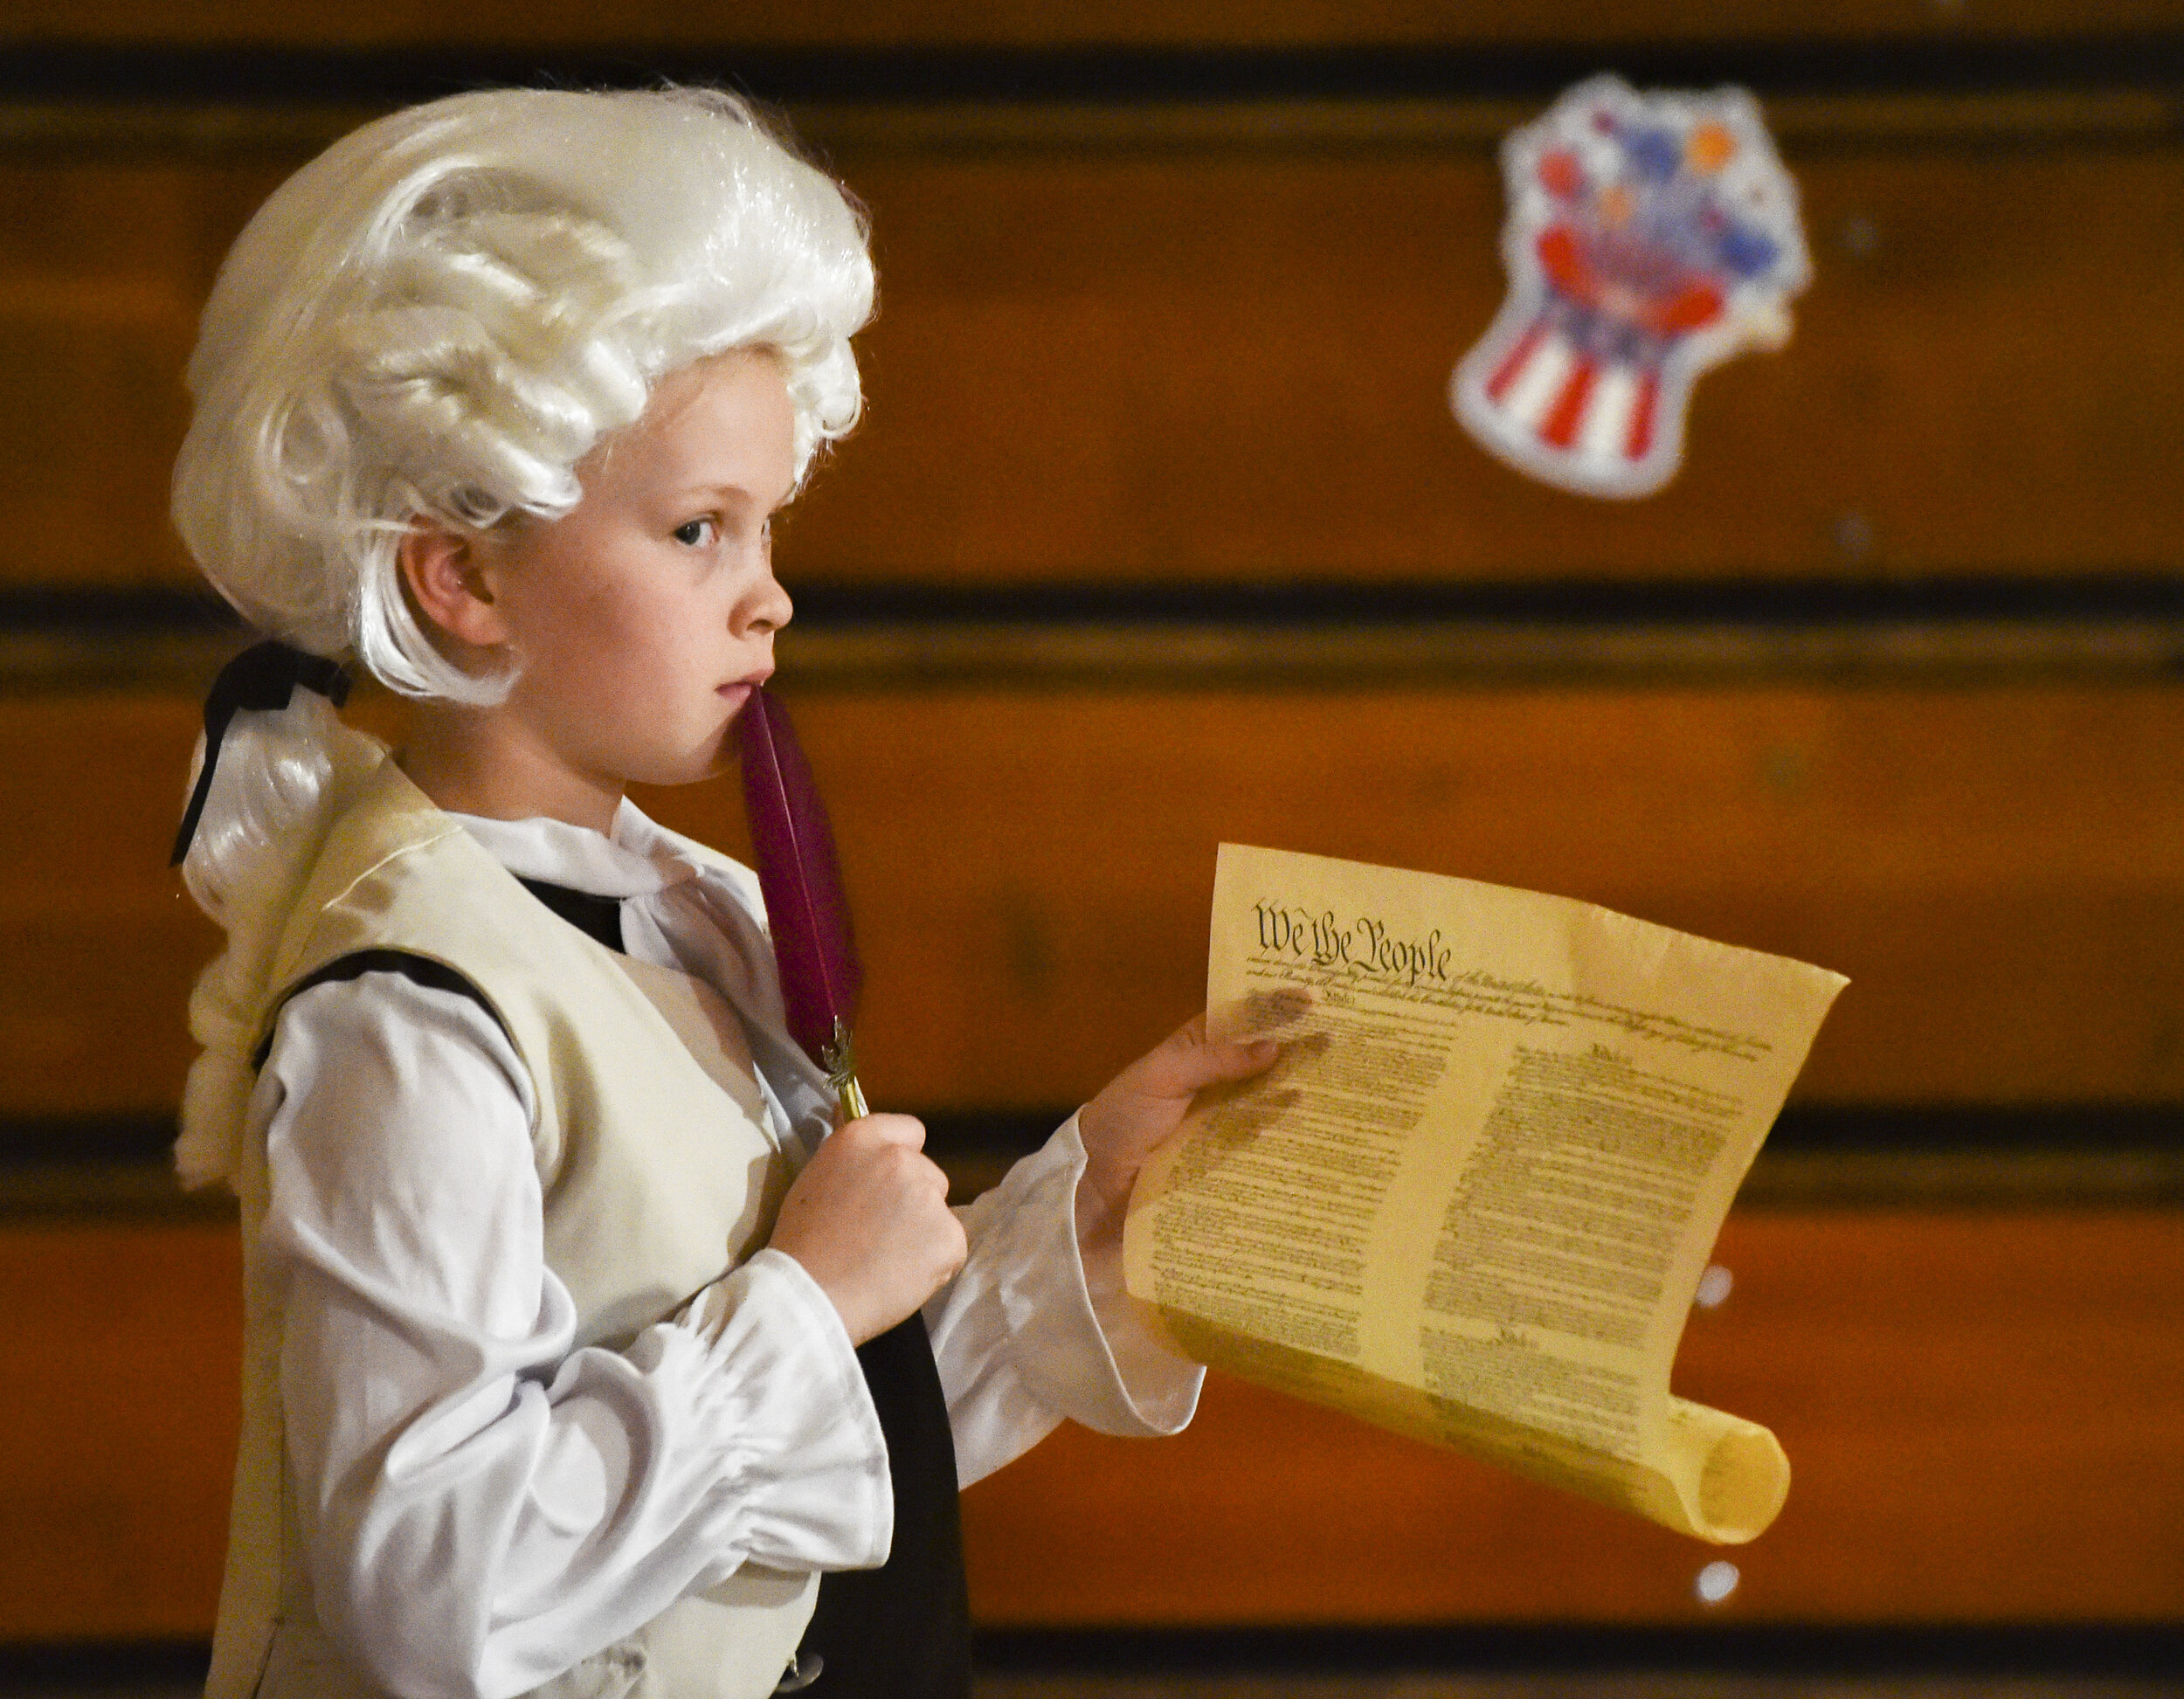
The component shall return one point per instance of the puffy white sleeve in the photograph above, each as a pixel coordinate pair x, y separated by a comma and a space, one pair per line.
484, 1504
1035, 1328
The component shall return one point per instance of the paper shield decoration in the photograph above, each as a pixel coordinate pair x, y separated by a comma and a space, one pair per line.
1649, 237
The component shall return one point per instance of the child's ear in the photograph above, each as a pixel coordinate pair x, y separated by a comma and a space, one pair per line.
441, 569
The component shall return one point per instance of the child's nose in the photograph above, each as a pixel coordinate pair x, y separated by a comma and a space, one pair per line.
767, 607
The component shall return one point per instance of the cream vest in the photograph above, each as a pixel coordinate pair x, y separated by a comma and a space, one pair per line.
659, 1177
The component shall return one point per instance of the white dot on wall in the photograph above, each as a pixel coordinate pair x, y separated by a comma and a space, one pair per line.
1716, 1582
1713, 1287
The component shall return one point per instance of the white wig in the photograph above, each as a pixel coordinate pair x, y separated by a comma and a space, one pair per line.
440, 316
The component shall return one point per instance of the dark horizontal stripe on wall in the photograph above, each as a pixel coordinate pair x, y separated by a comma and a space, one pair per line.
113, 1139
1785, 602
1297, 637
73, 611
2031, 1651
1804, 1128
2113, 117
2015, 1650
1818, 1157
151, 638
1486, 71
110, 1669
1123, 656
1788, 603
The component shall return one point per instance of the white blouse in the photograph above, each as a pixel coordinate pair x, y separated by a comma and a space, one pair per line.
482, 1503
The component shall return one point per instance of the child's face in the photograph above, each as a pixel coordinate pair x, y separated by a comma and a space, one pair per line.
644, 618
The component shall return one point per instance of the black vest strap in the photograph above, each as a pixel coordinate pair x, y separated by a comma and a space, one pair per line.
421, 970
601, 917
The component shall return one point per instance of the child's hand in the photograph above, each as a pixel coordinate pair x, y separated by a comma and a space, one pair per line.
1141, 1107
868, 1219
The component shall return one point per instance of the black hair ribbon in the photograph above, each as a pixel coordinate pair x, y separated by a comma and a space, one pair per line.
263, 677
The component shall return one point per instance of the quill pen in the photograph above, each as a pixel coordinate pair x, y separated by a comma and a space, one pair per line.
801, 881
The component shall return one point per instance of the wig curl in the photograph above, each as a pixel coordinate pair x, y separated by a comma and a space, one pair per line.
440, 316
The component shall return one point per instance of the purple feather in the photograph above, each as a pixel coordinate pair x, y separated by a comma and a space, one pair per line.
802, 882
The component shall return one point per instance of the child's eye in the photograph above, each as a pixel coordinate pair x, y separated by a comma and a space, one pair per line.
692, 533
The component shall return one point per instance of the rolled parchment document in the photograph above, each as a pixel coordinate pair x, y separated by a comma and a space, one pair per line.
1473, 1200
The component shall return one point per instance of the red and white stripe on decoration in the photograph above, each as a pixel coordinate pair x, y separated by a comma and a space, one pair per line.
1558, 413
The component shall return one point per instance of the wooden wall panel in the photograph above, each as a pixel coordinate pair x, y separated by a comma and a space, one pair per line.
119, 1349
1104, 22
2020, 1458
1999, 870
103, 267
1193, 363
1235, 367
104, 941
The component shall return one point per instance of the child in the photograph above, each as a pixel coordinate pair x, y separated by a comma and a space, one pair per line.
579, 1346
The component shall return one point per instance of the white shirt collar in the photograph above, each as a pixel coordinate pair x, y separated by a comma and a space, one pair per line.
633, 861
